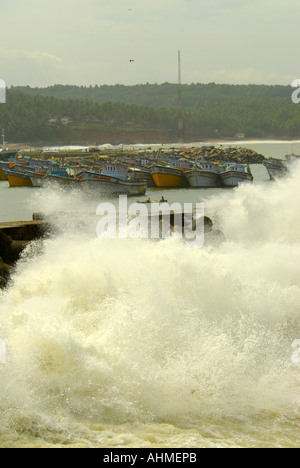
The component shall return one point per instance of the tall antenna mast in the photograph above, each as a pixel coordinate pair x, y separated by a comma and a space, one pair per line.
180, 119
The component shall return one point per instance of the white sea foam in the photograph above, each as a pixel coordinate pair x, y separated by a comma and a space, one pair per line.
116, 331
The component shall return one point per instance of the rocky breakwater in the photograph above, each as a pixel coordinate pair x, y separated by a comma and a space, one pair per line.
226, 155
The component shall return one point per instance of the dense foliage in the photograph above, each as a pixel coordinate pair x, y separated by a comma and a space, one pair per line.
209, 111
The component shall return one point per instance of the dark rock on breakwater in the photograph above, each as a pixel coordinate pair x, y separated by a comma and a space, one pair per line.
9, 252
208, 153
5, 271
14, 237
218, 154
225, 155
222, 154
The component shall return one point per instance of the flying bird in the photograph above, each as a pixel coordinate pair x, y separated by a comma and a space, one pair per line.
131, 60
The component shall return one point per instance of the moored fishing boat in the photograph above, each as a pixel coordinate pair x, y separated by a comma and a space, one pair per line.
12, 162
126, 172
141, 175
37, 180
182, 164
165, 176
110, 185
204, 175
20, 174
115, 170
42, 180
276, 168
18, 179
235, 174
65, 181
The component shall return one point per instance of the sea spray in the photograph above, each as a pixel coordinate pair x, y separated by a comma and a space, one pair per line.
260, 213
119, 331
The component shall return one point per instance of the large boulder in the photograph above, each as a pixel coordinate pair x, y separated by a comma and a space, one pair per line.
10, 249
6, 251
5, 272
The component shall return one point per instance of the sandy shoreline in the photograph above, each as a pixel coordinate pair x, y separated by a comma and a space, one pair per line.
107, 146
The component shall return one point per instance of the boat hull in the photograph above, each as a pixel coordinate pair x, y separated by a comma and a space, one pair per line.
110, 185
165, 177
276, 171
203, 179
128, 173
144, 177
233, 179
36, 182
18, 180
168, 180
65, 181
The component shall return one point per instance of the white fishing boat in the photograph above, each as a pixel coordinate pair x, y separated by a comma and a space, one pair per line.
115, 170
204, 175
42, 180
37, 180
276, 168
182, 164
234, 174
127, 172
110, 185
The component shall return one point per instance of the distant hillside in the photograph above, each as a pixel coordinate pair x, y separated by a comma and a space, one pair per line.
132, 114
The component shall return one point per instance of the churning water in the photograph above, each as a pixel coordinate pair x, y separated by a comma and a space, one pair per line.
134, 343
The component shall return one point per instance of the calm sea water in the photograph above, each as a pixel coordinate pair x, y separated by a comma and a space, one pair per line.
130, 343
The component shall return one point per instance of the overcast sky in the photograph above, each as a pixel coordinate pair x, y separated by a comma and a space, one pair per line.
83, 42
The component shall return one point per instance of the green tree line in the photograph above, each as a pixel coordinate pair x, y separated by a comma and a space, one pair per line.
163, 95
209, 110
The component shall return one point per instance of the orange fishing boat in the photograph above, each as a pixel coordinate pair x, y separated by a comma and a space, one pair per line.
14, 162
18, 179
165, 176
